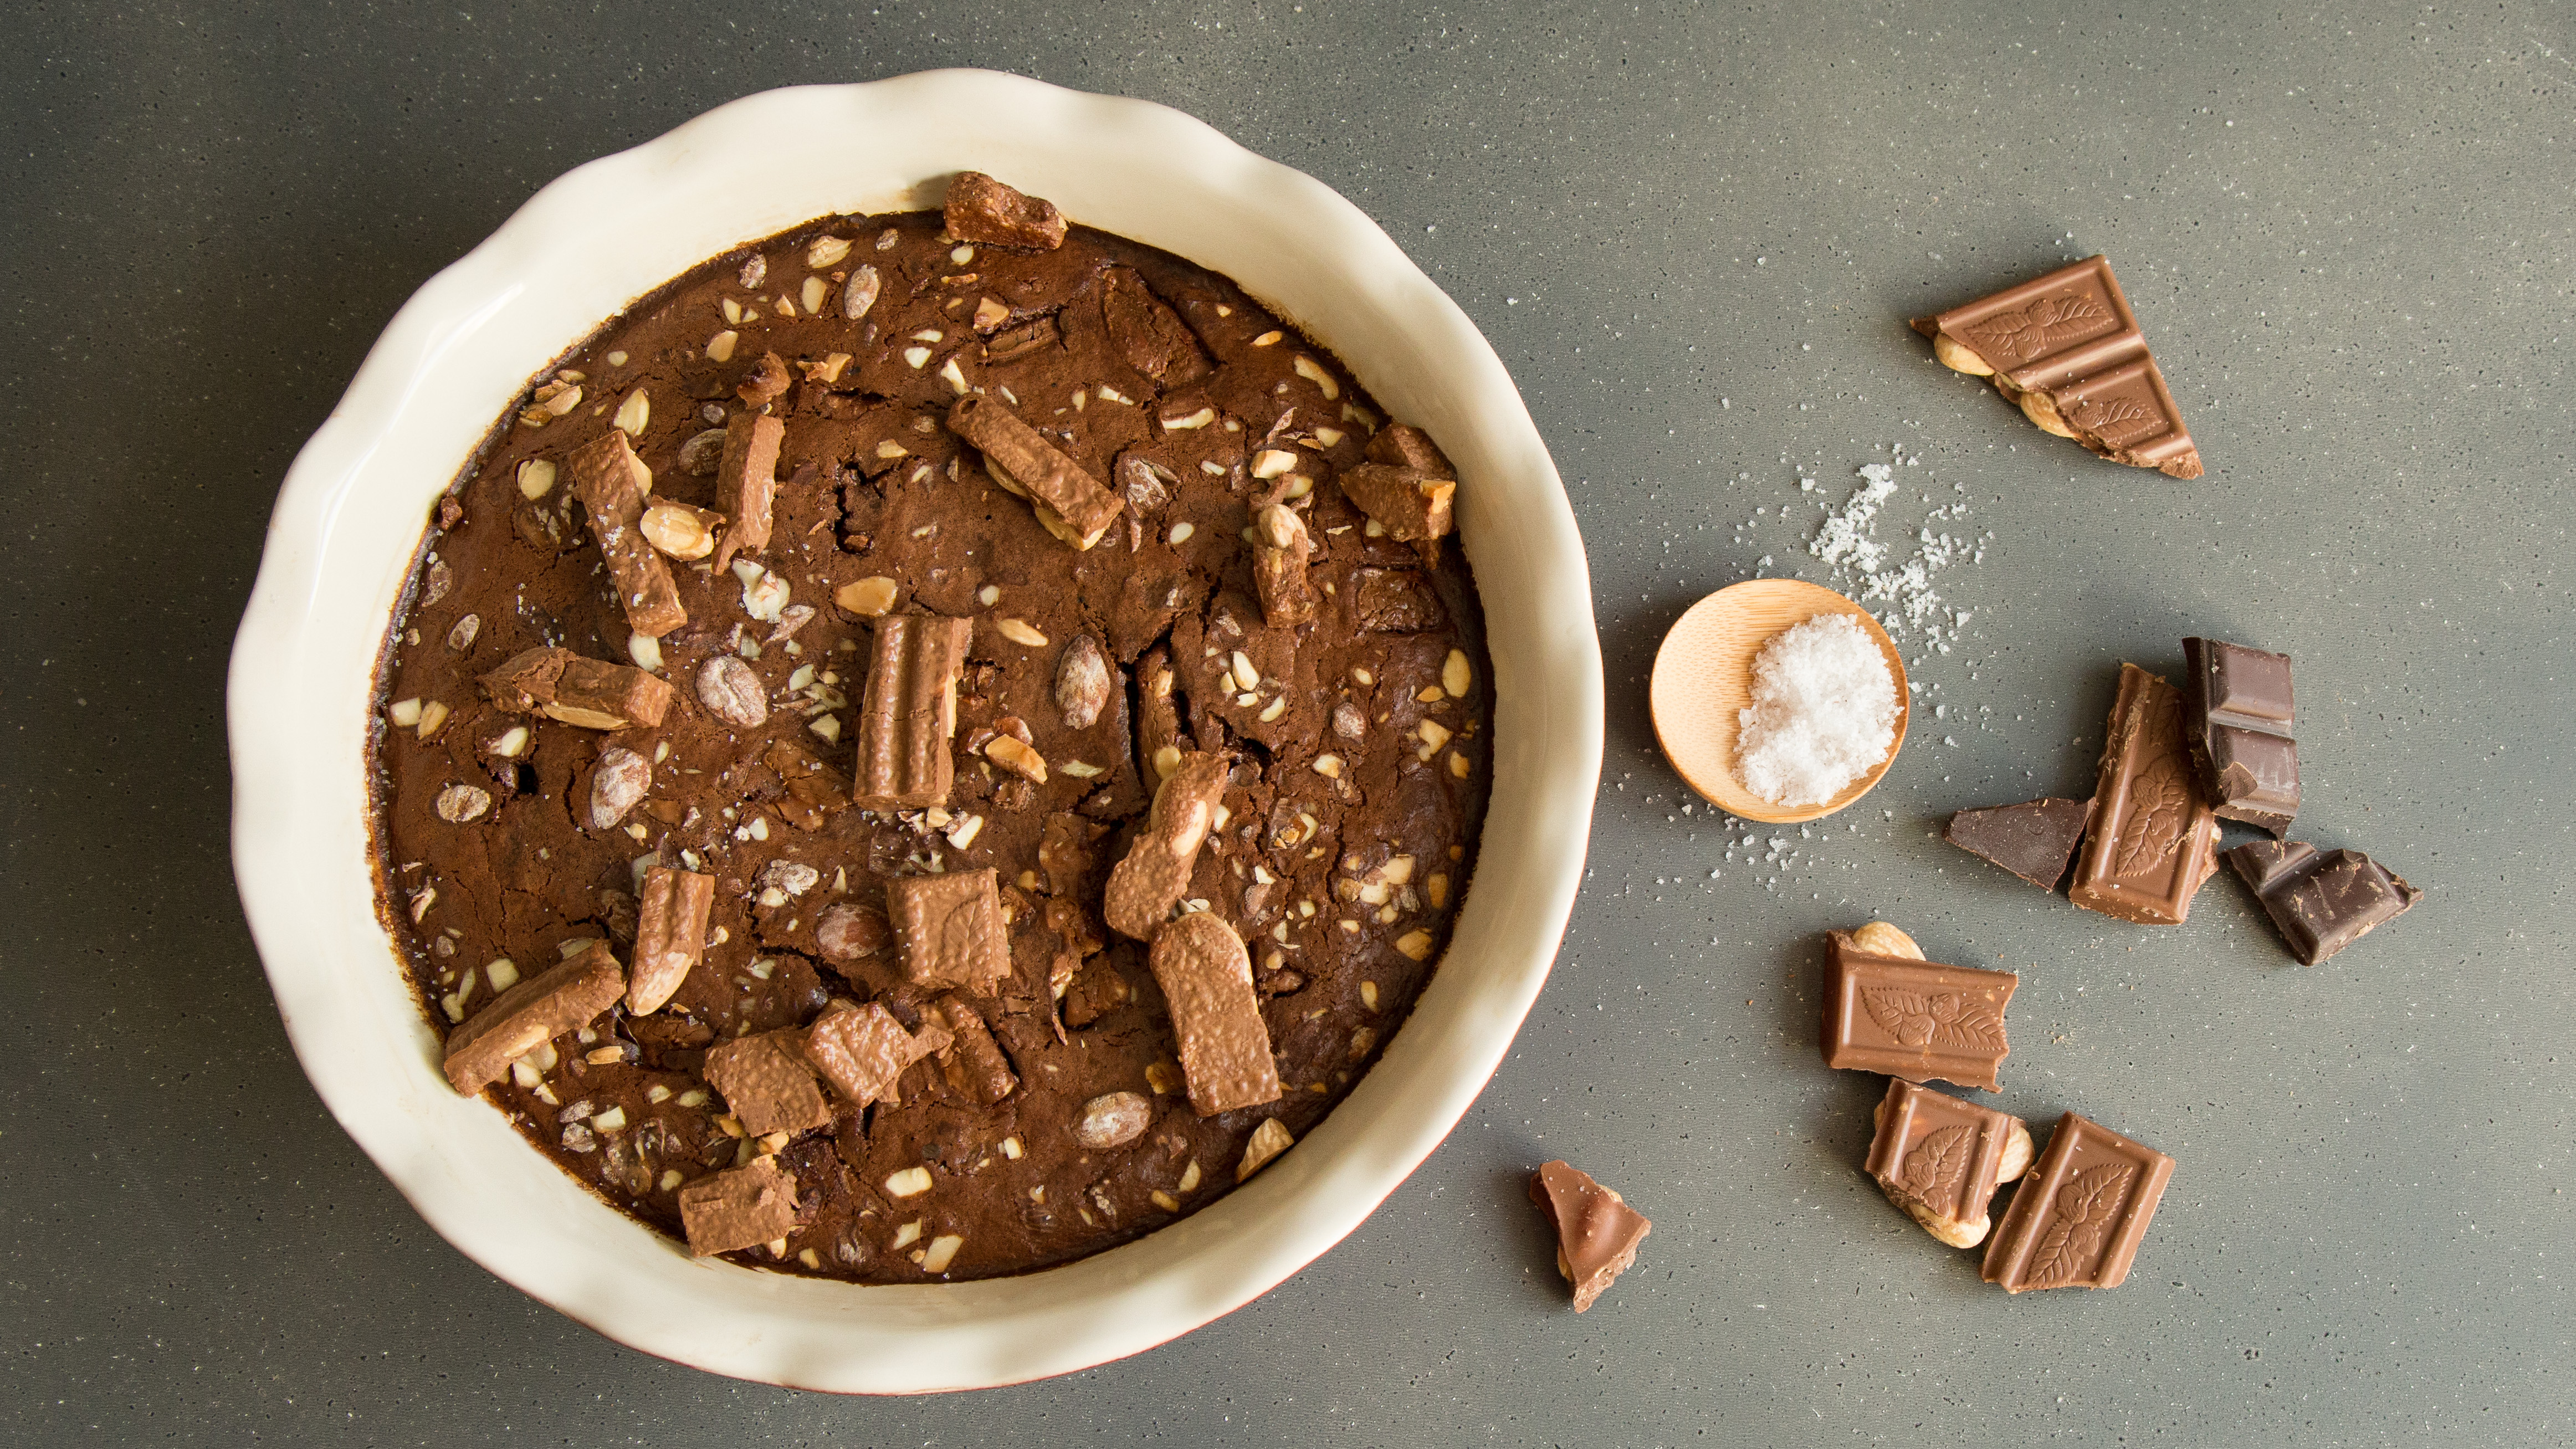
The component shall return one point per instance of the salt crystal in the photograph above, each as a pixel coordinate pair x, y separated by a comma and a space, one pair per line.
1823, 713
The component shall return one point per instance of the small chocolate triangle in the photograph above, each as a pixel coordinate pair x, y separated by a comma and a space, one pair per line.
1596, 1231
2033, 840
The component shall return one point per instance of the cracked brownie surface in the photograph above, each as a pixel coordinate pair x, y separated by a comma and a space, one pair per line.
762, 631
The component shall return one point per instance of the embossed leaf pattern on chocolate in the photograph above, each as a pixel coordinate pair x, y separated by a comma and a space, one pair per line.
1904, 1015
2086, 1208
1937, 1168
2105, 415
2159, 805
1918, 1018
2050, 320
1958, 1021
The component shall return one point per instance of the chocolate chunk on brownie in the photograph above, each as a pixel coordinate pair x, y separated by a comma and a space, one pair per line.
962, 867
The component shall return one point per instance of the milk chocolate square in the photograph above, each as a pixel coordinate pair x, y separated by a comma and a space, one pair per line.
725, 1212
1914, 1019
950, 928
2078, 1220
1940, 1159
766, 1083
863, 1051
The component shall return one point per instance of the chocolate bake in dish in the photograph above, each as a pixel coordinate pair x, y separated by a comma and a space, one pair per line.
931, 746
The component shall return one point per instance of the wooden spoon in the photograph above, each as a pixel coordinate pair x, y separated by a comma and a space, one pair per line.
1704, 679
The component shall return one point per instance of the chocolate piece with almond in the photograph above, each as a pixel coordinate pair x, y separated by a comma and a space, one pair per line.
562, 998
1597, 1233
909, 711
610, 481
950, 929
562, 685
1411, 502
981, 209
1016, 452
746, 480
1206, 976
670, 935
1940, 1159
1155, 873
1281, 547
744, 1207
767, 1084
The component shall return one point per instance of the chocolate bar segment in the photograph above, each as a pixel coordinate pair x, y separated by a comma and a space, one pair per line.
2154, 841
981, 209
743, 1207
1914, 1019
2236, 709
1155, 873
565, 686
2066, 347
1597, 1233
1411, 505
2322, 901
747, 480
670, 935
766, 1083
2033, 840
908, 712
950, 929
972, 1061
568, 995
604, 474
1940, 1158
863, 1051
2077, 1222
1206, 976
1052, 480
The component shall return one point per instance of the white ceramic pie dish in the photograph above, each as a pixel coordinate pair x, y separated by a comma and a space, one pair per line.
351, 515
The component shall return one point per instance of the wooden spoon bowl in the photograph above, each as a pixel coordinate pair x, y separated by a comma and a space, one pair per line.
1704, 679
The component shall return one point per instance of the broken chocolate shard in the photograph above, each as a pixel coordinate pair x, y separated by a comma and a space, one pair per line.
2066, 347
565, 686
863, 1051
2237, 716
1402, 445
2033, 840
1155, 872
562, 998
1281, 550
1153, 339
1597, 1233
2078, 1220
743, 1207
670, 935
1052, 480
605, 475
1206, 976
981, 209
767, 1083
747, 481
1940, 1159
2153, 840
908, 711
2322, 901
972, 1061
1914, 1019
950, 929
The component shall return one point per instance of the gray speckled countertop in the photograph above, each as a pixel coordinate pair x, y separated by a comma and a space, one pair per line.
1693, 234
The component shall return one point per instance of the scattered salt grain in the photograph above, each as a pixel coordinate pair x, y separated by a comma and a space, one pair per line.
1823, 713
